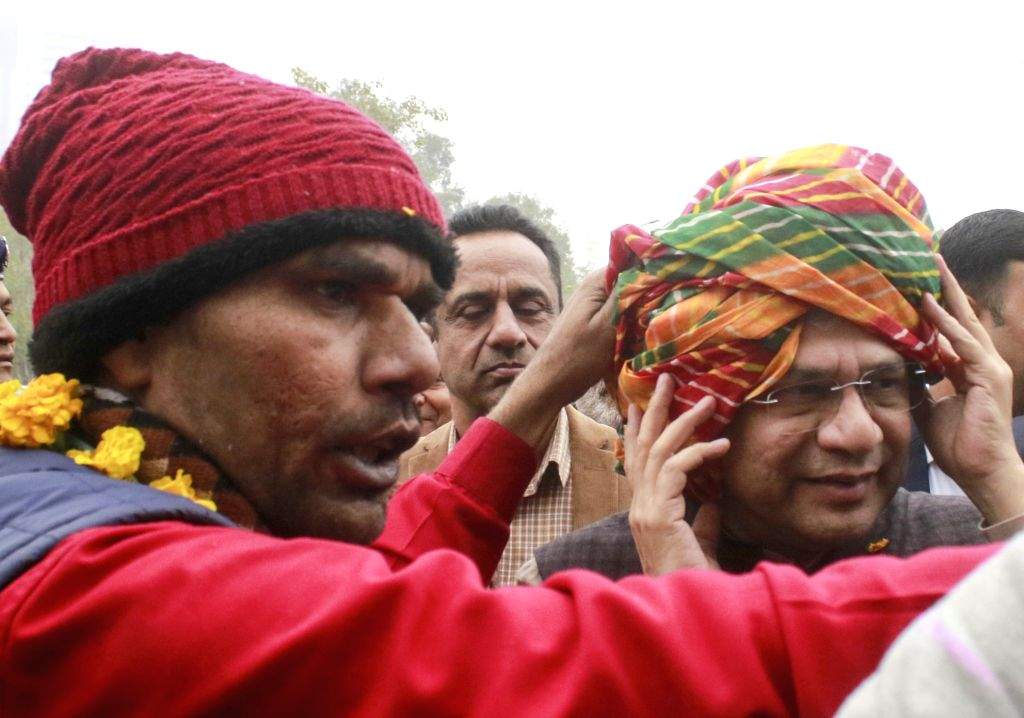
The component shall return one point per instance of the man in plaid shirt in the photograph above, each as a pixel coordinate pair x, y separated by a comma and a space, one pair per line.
507, 293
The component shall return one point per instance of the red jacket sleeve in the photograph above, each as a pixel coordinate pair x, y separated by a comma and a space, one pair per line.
466, 505
170, 619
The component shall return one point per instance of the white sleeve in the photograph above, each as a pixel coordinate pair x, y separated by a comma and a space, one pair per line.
961, 657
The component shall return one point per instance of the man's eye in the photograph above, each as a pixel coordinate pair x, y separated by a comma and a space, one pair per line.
336, 291
804, 393
530, 309
471, 312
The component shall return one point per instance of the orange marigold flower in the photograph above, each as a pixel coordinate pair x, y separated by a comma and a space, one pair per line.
117, 455
33, 415
879, 545
181, 485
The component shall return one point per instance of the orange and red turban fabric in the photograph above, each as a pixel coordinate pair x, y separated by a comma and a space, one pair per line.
717, 297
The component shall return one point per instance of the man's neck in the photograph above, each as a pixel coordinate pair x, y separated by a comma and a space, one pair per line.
808, 558
463, 417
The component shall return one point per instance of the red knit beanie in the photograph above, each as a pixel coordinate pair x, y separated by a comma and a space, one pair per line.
129, 159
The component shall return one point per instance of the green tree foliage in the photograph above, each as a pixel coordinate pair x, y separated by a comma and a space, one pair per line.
18, 279
408, 121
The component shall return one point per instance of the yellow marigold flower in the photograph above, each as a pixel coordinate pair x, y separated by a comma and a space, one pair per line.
33, 415
181, 485
117, 455
8, 388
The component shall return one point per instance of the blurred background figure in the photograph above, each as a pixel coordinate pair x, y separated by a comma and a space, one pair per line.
985, 252
7, 333
599, 406
434, 406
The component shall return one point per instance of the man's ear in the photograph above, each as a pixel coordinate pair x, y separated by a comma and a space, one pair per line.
128, 366
983, 313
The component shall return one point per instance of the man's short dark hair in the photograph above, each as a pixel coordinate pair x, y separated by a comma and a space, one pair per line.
978, 250
505, 217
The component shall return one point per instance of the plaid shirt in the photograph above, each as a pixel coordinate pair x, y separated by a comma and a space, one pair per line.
545, 513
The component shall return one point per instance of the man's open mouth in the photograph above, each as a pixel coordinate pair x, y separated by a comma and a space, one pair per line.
372, 465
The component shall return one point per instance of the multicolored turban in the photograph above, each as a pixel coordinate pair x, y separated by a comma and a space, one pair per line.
716, 298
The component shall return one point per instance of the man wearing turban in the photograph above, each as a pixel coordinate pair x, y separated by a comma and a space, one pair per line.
785, 323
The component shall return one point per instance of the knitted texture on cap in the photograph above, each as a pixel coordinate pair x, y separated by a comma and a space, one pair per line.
130, 159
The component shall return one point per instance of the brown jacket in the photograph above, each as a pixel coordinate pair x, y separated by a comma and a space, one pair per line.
597, 490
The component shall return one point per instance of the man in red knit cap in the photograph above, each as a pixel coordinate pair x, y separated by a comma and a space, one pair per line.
234, 270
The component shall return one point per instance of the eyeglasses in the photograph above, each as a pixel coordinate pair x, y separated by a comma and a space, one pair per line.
4, 254
887, 390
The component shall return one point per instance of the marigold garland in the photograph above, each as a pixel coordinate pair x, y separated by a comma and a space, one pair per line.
181, 485
35, 415
32, 416
117, 455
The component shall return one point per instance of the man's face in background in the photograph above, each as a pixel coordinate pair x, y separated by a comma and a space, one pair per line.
497, 313
1006, 327
7, 334
434, 406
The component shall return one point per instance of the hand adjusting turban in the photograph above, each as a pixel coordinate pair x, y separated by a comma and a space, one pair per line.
717, 297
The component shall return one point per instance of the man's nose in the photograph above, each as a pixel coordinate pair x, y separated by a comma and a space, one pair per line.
851, 428
7, 331
403, 360
505, 329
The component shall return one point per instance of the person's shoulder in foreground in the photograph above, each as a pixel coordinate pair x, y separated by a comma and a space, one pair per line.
962, 656
112, 611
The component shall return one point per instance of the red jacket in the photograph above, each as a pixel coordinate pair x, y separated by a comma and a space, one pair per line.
174, 619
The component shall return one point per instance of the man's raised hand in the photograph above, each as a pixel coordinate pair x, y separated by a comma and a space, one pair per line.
659, 458
970, 433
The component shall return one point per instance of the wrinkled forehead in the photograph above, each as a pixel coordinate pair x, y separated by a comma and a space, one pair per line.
833, 346
500, 260
392, 257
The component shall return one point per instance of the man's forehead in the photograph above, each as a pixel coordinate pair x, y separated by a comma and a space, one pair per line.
498, 251
829, 343
367, 246
388, 258
488, 260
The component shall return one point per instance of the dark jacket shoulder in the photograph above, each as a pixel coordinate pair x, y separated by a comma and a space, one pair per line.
914, 521
605, 547
46, 497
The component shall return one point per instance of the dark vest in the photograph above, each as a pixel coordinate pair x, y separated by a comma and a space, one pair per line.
911, 522
45, 497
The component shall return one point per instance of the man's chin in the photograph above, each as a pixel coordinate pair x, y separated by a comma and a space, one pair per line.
362, 521
356, 520
490, 397
832, 531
